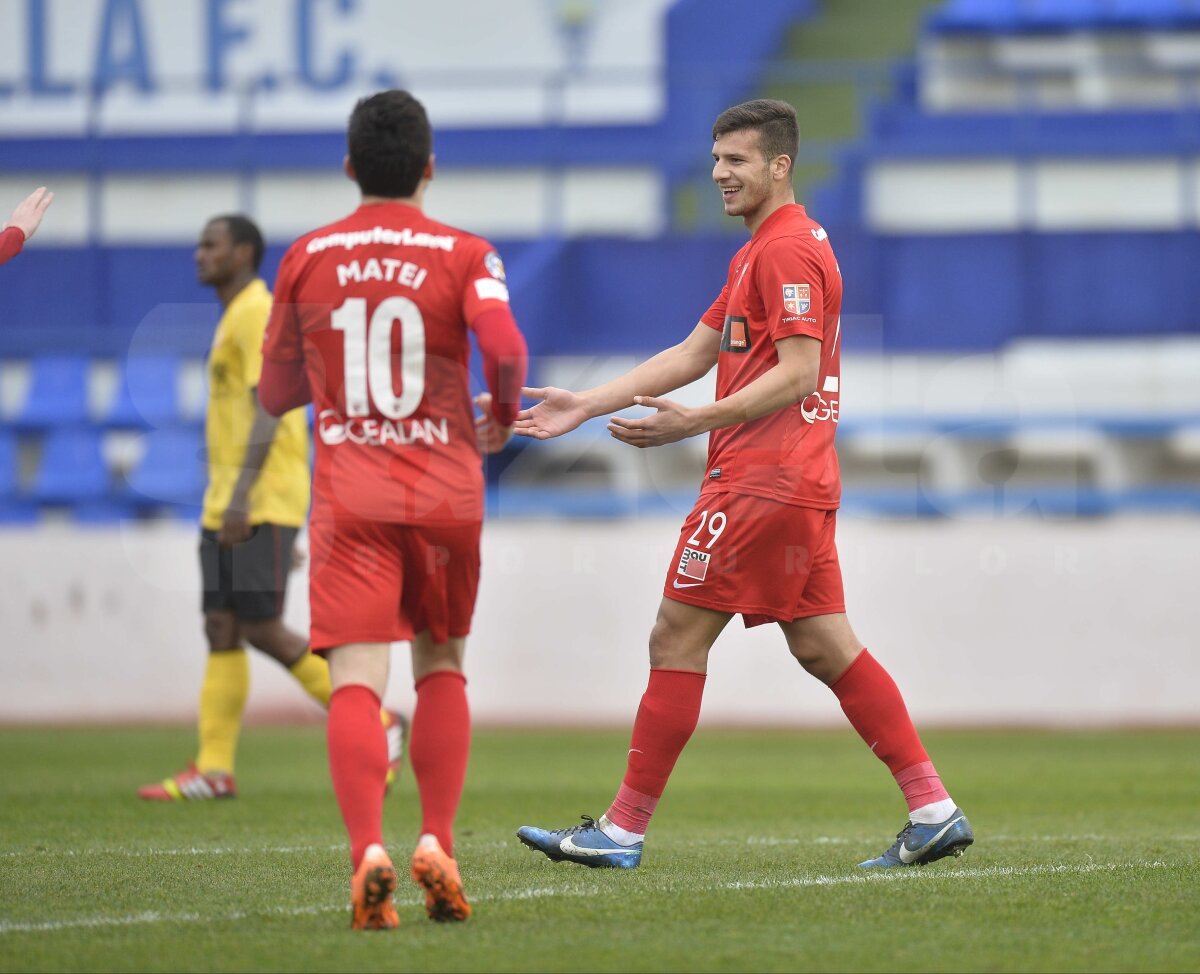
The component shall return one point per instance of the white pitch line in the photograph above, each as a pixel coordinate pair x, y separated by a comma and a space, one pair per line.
186, 851
907, 875
771, 840
982, 872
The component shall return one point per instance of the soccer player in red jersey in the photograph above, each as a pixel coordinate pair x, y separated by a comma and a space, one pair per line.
371, 321
760, 540
23, 223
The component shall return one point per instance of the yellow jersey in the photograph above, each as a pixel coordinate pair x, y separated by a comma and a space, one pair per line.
280, 493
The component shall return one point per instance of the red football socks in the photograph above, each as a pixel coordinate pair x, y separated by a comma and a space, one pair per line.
358, 764
872, 702
440, 741
665, 721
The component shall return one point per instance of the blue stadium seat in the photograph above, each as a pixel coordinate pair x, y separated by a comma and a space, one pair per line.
1151, 13
8, 464
72, 468
58, 392
1062, 14
17, 511
172, 471
1016, 16
986, 16
106, 510
148, 395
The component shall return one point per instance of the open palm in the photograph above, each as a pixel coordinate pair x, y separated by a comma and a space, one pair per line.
559, 412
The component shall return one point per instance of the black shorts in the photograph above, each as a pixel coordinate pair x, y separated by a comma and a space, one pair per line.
247, 579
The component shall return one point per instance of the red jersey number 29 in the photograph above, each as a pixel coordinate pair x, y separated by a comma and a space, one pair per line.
367, 354
715, 525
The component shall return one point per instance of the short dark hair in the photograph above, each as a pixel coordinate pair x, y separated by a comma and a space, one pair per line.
774, 120
389, 140
243, 230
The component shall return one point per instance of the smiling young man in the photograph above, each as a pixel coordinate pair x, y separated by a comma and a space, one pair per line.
760, 540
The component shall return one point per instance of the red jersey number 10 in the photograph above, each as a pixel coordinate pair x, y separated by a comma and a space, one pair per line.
367, 356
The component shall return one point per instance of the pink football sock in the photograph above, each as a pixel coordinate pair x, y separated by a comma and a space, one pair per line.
872, 702
665, 721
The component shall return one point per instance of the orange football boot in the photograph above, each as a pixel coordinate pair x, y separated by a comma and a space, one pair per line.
371, 892
438, 874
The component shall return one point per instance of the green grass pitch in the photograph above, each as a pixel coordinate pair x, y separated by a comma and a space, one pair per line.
1086, 858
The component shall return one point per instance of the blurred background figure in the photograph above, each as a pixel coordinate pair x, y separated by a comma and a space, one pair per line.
1009, 187
254, 505
23, 223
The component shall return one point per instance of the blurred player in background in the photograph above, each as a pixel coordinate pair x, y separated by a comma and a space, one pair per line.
760, 540
23, 223
254, 505
372, 321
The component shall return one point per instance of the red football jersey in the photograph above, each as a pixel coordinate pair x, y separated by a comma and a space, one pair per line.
784, 281
377, 306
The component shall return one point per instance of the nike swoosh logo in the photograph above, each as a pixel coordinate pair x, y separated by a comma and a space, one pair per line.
909, 856
568, 846
678, 584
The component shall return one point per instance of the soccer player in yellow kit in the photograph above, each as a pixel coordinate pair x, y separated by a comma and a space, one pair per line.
254, 505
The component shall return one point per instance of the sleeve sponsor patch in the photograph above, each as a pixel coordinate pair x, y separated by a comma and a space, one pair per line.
494, 265
796, 299
487, 288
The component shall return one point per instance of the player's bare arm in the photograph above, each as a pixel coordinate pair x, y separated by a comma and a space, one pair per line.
27, 217
561, 411
784, 385
235, 524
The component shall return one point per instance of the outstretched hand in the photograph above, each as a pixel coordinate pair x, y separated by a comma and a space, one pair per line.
27, 217
489, 434
671, 423
558, 412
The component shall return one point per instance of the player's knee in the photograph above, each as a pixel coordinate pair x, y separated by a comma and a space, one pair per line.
264, 635
669, 649
221, 631
808, 653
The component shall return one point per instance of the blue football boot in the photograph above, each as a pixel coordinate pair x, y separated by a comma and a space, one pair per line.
919, 845
584, 844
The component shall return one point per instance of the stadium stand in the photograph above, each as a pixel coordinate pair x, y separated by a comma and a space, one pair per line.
148, 395
170, 473
73, 469
1016, 221
58, 393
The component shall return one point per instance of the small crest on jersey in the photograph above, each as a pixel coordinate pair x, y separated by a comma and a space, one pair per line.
693, 564
795, 298
494, 265
714, 473
819, 233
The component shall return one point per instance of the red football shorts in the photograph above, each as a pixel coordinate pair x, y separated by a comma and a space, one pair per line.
771, 562
376, 582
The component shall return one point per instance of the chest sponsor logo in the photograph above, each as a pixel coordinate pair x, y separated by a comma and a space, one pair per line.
818, 408
796, 299
736, 335
333, 428
693, 564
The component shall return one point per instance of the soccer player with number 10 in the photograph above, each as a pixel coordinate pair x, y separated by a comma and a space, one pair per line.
371, 322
